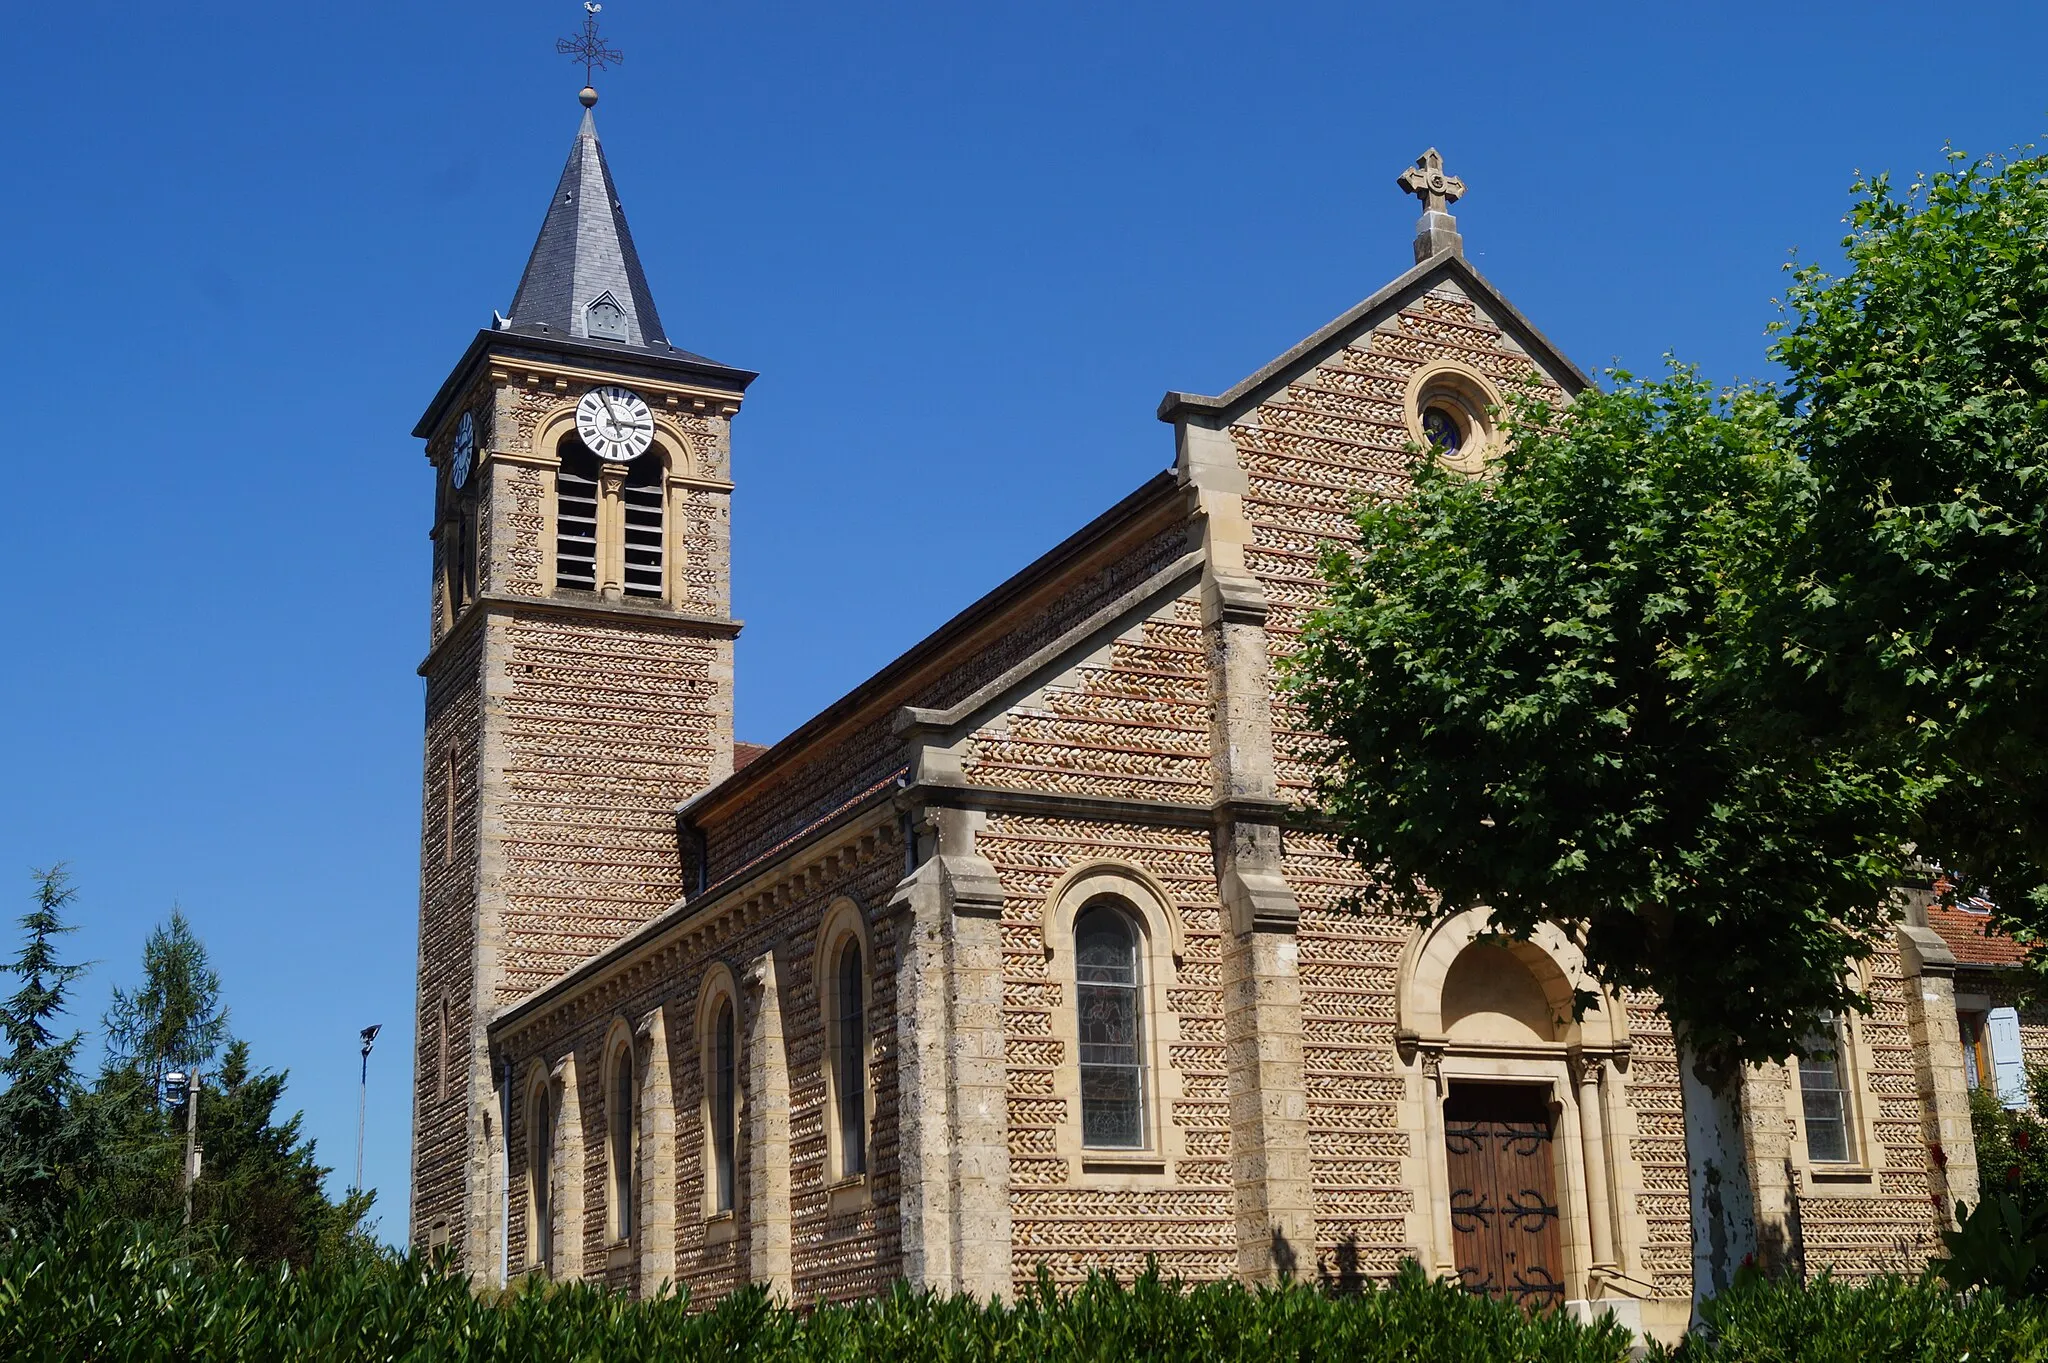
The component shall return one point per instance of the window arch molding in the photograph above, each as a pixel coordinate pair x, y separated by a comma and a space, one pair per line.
1160, 945
541, 1122
677, 454
623, 1085
845, 923
720, 1117
1468, 398
1558, 966
1158, 914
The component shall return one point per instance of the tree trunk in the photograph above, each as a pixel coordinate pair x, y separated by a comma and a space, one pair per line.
1724, 1230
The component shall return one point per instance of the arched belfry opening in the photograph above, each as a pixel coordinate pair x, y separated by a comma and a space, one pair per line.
1515, 1064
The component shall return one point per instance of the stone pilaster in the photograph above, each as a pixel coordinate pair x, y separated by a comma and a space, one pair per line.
1930, 969
655, 1233
1261, 979
767, 1129
953, 1115
1766, 1124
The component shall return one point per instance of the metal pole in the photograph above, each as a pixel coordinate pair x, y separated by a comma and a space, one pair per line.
191, 1141
362, 1107
369, 1035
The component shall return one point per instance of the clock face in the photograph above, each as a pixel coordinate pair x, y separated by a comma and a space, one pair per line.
464, 455
614, 424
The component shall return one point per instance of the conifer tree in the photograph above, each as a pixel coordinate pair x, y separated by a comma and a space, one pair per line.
174, 1020
49, 1132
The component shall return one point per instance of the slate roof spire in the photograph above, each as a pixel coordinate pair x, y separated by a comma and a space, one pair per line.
583, 280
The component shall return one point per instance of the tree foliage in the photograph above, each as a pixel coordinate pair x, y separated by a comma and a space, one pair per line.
1542, 691
49, 1134
173, 1020
115, 1151
1918, 377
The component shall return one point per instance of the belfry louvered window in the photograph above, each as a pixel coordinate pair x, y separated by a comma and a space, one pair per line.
643, 494
576, 517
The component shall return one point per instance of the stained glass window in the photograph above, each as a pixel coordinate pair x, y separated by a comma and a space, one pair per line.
623, 1144
540, 1230
850, 1076
1111, 1024
1824, 1093
724, 1106
1444, 433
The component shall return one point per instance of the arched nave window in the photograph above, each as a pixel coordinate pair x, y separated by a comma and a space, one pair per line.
1109, 1003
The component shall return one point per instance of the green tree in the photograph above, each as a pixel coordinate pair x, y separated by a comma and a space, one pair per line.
49, 1134
1546, 691
174, 1020
1919, 385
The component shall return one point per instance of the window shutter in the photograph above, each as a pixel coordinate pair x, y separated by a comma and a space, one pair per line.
2008, 1061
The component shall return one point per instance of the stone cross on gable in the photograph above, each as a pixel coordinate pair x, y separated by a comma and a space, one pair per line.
1426, 181
1437, 231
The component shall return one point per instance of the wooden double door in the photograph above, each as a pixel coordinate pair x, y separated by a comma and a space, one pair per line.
1505, 1238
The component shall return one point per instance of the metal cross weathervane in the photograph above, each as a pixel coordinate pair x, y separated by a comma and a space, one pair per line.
587, 47
1426, 181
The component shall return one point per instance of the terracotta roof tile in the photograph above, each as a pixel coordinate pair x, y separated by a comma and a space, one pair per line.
1969, 935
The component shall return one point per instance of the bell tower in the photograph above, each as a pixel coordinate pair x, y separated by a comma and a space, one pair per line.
579, 670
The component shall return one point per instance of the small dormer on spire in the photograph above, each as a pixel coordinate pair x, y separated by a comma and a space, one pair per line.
1436, 231
583, 280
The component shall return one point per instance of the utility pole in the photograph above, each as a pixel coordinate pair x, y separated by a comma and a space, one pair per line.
363, 1098
178, 1084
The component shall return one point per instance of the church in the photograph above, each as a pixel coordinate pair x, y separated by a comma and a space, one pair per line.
1023, 956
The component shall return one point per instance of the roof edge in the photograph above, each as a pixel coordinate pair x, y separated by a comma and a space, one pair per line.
624, 359
1147, 497
1178, 406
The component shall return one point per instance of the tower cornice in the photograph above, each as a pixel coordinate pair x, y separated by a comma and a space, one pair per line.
676, 368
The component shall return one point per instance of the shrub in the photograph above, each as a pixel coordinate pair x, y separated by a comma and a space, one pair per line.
1886, 1320
113, 1293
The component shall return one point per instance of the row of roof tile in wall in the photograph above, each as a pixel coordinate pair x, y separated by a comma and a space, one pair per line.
448, 873
1063, 1221
1657, 1144
605, 728
827, 774
527, 519
1349, 962
1895, 1231
704, 543
1131, 722
834, 1256
1335, 433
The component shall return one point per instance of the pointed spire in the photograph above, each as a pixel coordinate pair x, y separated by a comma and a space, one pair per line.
583, 279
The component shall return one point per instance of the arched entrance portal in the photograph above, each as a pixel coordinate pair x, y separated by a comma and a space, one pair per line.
1519, 1111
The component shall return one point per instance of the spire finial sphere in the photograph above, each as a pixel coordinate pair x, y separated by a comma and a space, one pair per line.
588, 94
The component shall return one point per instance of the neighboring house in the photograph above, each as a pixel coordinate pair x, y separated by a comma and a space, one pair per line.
1999, 1041
1013, 959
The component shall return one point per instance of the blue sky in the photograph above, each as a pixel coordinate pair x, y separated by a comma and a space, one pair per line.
967, 246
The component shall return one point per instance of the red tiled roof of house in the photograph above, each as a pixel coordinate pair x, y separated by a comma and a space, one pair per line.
743, 753
1969, 936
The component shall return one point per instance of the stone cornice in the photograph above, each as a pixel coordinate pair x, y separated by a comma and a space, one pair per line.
1107, 808
610, 612
586, 361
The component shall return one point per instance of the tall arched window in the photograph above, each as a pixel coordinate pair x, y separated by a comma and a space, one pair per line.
724, 1083
442, 1087
643, 495
540, 1163
576, 517
1825, 1093
849, 1058
1109, 1004
623, 1130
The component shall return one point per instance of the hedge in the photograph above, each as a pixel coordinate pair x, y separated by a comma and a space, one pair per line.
109, 1292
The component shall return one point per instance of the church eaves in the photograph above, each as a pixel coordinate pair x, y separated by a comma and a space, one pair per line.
583, 280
